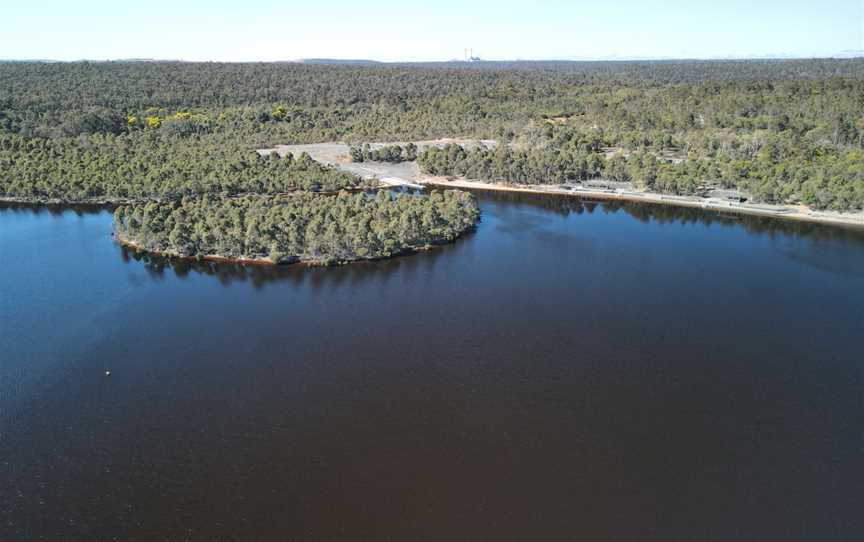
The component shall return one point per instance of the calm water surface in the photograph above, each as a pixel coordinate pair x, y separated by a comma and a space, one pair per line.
569, 371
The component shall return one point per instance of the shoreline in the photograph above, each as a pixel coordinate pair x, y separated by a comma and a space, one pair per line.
128, 243
266, 262
98, 202
798, 213
105, 202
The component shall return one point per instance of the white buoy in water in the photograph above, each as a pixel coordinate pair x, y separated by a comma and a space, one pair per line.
107, 373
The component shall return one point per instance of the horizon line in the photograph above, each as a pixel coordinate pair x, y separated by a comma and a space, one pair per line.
842, 55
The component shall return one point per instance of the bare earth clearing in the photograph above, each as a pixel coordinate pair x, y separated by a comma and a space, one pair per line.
402, 174
408, 174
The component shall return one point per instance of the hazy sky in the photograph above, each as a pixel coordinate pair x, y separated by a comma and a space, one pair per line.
441, 30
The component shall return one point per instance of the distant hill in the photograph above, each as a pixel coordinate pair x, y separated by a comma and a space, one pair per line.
26, 60
351, 61
851, 53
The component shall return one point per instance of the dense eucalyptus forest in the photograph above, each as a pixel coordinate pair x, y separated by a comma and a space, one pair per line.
393, 154
144, 167
784, 131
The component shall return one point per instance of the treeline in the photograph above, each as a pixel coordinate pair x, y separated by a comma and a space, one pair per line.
302, 227
387, 153
104, 167
285, 103
178, 85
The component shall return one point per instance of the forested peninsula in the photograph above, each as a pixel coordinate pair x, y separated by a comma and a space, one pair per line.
302, 227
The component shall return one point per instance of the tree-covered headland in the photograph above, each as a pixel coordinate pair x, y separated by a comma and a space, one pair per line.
299, 227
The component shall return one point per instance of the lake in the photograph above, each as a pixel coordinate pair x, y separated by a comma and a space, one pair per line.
571, 370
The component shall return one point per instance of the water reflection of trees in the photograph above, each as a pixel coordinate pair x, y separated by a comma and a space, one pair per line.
670, 214
227, 273
355, 274
55, 209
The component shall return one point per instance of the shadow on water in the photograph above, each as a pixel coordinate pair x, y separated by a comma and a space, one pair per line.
56, 209
258, 276
356, 273
670, 214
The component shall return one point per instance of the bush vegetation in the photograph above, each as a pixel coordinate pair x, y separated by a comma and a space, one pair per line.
784, 131
822, 178
388, 153
301, 227
142, 166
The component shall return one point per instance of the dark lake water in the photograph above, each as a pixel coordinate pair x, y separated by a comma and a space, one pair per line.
571, 371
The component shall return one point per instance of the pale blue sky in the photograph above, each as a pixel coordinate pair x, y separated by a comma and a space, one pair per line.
404, 30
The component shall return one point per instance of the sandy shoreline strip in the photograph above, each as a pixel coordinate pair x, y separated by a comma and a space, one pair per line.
267, 262
799, 213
